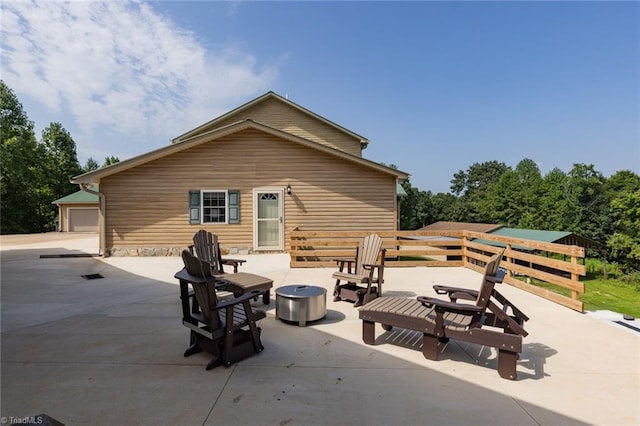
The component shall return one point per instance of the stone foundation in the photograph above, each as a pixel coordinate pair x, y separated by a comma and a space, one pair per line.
163, 251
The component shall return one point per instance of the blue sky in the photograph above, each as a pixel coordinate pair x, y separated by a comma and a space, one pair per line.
435, 86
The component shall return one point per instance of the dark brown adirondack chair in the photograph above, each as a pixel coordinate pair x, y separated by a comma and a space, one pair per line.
491, 321
362, 273
207, 248
225, 328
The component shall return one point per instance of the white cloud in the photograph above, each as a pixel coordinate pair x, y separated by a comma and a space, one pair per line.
121, 67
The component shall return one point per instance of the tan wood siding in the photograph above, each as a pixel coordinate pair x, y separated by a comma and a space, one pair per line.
279, 115
148, 205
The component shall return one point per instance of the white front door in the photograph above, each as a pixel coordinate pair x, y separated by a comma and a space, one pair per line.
268, 221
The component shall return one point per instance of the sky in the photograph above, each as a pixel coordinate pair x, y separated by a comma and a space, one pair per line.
435, 86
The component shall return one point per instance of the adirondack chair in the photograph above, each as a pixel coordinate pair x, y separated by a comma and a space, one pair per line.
207, 248
491, 321
224, 328
362, 273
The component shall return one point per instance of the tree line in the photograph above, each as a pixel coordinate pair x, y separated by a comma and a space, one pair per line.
34, 173
606, 210
582, 201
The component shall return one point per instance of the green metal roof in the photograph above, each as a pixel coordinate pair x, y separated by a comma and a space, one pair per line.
525, 234
400, 190
532, 234
79, 197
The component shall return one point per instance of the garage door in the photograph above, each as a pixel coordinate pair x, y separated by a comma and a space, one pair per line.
83, 220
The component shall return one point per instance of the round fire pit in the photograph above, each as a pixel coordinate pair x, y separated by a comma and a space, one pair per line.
301, 303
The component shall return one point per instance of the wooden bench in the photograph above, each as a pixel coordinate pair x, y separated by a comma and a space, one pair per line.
490, 319
412, 314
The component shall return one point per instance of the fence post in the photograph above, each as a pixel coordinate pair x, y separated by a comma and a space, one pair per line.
574, 277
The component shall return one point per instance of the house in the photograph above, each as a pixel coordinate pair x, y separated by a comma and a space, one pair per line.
251, 176
78, 212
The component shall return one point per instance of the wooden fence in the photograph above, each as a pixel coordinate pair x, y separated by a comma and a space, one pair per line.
524, 260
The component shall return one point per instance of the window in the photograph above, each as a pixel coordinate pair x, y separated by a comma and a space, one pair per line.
214, 206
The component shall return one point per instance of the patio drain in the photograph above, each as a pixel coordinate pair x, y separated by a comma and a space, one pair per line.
58, 256
628, 326
91, 276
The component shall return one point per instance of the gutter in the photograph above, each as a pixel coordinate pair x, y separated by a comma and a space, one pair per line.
86, 187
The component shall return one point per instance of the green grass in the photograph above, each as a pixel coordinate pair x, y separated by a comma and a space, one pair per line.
615, 293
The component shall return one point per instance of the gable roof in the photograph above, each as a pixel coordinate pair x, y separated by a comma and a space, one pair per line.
212, 135
79, 197
269, 95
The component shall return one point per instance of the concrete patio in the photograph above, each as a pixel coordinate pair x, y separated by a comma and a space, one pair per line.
109, 351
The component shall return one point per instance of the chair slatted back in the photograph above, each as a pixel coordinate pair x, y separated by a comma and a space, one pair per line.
207, 249
488, 281
368, 252
205, 292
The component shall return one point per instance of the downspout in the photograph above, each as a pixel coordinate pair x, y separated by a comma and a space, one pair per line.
86, 187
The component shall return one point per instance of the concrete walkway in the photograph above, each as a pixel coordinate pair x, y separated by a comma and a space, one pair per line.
109, 351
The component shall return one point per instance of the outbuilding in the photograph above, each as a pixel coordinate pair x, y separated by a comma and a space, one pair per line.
78, 212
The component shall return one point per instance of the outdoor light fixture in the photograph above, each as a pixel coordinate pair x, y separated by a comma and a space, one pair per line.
288, 189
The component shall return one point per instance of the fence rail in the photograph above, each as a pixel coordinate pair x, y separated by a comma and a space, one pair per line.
556, 264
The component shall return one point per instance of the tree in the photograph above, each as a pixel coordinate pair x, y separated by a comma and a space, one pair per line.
625, 242
62, 160
624, 190
90, 165
59, 166
110, 160
622, 181
554, 208
588, 207
471, 186
513, 200
13, 120
443, 207
20, 172
415, 208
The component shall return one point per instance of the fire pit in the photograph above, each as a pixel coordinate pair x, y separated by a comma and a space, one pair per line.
301, 303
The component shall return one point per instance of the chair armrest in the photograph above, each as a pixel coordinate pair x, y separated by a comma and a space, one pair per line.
234, 262
455, 293
446, 306
223, 304
443, 289
343, 261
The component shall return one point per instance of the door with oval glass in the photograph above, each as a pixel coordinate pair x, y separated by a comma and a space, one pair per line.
268, 220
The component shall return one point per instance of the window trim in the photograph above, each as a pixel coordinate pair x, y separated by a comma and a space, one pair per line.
232, 206
226, 206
